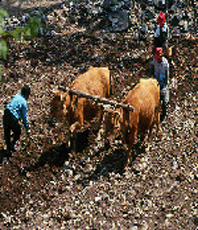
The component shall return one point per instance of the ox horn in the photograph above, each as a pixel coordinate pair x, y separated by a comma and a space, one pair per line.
117, 112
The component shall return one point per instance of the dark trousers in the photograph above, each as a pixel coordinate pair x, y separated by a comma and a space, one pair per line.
164, 110
10, 123
158, 43
164, 98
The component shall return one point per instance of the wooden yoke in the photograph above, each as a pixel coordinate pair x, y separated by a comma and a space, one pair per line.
97, 99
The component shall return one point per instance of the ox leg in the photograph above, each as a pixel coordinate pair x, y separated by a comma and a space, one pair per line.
75, 127
73, 143
130, 139
101, 115
149, 138
73, 136
143, 142
159, 130
142, 137
157, 118
129, 154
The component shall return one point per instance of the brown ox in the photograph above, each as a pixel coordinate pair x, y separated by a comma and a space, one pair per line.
67, 107
145, 98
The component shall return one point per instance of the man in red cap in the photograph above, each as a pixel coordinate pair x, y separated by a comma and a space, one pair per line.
161, 33
159, 69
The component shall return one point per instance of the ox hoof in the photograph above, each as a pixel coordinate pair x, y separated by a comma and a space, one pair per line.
159, 134
147, 149
126, 168
128, 164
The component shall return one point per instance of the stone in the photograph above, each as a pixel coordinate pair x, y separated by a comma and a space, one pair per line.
119, 21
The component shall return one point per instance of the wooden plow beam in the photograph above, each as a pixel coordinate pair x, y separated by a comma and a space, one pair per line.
97, 99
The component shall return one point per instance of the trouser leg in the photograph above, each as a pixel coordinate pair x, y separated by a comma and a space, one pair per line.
10, 123
7, 139
164, 110
16, 128
7, 130
164, 97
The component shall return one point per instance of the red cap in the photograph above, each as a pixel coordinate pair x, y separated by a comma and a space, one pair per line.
158, 53
161, 19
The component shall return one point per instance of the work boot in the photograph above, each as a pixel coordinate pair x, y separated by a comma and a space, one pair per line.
4, 160
12, 147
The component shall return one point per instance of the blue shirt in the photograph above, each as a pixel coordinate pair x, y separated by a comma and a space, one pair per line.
18, 107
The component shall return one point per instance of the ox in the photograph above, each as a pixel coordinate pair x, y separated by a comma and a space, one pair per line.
145, 98
69, 108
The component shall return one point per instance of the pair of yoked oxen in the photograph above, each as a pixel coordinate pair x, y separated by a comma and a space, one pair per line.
144, 98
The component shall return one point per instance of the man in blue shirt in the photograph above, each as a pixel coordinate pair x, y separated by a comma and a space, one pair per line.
15, 111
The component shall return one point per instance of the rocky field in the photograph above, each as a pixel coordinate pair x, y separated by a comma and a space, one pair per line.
44, 186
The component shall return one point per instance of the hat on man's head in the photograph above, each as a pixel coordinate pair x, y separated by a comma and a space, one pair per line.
158, 53
161, 19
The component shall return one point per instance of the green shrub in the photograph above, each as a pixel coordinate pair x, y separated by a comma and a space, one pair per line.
28, 31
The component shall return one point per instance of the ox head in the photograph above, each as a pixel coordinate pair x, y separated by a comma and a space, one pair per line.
56, 108
111, 122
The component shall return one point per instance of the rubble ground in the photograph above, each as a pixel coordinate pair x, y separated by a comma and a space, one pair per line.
44, 185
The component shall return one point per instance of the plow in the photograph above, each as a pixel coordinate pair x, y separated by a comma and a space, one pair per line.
98, 100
